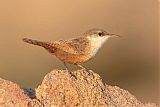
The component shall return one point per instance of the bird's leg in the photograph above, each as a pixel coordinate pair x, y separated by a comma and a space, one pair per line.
80, 66
69, 70
66, 66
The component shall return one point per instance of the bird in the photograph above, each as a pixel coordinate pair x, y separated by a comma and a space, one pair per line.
75, 50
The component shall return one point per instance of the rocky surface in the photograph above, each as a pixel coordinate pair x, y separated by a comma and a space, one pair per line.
59, 89
11, 95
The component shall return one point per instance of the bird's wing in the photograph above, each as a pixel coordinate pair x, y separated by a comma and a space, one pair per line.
73, 46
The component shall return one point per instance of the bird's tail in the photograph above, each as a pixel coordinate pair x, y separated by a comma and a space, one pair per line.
46, 45
35, 42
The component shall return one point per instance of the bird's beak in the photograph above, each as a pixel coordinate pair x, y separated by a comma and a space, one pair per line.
114, 35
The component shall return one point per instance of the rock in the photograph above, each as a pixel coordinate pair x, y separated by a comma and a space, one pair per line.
30, 92
59, 89
11, 95
117, 97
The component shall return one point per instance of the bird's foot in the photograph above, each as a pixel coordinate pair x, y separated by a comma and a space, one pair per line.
72, 75
70, 72
80, 66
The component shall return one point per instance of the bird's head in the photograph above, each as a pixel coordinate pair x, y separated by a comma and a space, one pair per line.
98, 36
99, 33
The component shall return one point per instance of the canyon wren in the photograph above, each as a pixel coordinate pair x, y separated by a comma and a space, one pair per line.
77, 50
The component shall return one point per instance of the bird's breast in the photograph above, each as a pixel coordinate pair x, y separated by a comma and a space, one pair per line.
95, 45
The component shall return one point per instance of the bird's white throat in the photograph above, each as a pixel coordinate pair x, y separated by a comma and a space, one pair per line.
96, 43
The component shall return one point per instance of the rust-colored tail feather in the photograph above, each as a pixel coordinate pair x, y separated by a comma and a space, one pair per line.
34, 42
46, 45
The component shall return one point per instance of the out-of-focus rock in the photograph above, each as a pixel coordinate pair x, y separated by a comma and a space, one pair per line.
117, 97
59, 89
30, 92
11, 95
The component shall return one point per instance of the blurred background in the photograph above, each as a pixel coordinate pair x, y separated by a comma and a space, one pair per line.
130, 62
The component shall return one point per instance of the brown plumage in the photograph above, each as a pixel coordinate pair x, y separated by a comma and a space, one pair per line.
71, 51
46, 45
77, 50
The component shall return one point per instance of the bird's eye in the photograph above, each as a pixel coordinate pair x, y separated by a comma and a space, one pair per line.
100, 34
